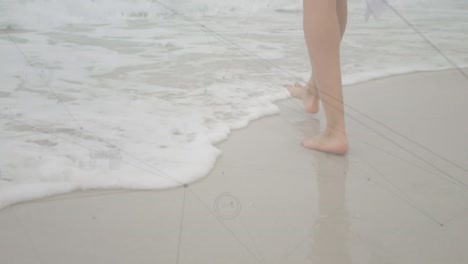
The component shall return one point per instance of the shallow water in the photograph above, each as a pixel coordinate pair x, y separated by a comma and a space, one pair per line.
135, 96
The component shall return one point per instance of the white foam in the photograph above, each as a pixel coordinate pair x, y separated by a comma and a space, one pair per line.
154, 92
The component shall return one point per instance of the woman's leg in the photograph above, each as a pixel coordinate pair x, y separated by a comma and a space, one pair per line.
323, 36
309, 93
342, 13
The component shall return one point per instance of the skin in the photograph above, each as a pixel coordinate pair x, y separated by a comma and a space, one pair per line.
324, 26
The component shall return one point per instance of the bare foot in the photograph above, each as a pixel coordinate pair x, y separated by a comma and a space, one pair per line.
307, 94
330, 142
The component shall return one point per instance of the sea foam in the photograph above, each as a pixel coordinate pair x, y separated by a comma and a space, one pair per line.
135, 94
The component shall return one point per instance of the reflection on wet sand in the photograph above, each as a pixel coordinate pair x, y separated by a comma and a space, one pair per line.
332, 229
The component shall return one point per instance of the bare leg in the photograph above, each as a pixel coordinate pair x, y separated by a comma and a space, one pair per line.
323, 36
308, 94
342, 13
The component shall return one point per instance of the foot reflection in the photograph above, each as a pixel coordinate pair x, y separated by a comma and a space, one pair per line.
332, 228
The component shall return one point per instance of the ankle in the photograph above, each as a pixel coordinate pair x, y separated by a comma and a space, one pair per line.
336, 131
311, 88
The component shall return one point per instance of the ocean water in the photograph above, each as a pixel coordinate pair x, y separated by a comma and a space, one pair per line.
135, 94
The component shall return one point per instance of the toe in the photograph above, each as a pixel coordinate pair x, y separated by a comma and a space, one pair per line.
298, 85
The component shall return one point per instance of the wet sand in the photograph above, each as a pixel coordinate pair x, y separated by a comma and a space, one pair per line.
399, 196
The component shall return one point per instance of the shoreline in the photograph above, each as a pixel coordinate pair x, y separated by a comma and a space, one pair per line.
220, 145
268, 198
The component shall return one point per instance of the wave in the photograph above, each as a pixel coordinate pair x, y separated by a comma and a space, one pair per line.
50, 13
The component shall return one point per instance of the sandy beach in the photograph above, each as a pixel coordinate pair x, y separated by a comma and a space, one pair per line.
399, 196
152, 131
